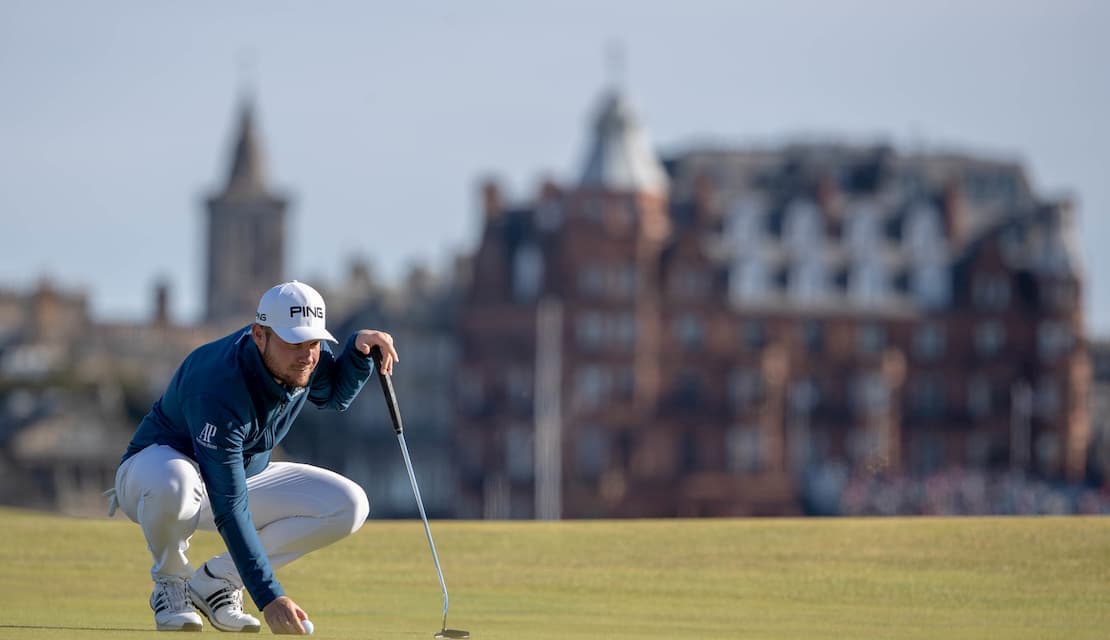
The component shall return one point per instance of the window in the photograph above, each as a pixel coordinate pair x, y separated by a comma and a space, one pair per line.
928, 341
804, 396
807, 280
927, 396
871, 395
867, 283
618, 281
813, 336
979, 397
742, 226
624, 383
930, 285
591, 451
753, 334
591, 387
745, 388
518, 387
689, 331
870, 338
1046, 401
689, 284
745, 449
802, 227
623, 329
688, 389
748, 279
924, 236
863, 230
589, 280
588, 329
990, 337
518, 452
527, 273
1053, 340
991, 291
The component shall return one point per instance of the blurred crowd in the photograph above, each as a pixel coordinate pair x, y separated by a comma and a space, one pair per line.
964, 492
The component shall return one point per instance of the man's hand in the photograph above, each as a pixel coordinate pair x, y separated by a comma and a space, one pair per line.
284, 616
368, 338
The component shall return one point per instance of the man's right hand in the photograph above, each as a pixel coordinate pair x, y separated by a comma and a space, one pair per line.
284, 616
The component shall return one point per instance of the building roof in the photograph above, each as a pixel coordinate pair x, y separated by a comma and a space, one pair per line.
620, 157
247, 175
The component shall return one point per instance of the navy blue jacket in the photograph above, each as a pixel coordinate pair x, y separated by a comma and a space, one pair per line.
223, 409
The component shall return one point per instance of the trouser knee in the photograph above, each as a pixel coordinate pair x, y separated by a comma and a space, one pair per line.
353, 507
176, 495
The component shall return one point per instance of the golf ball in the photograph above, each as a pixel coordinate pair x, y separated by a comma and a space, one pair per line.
307, 626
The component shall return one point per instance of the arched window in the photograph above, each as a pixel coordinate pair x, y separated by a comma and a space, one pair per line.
808, 280
923, 235
802, 227
748, 278
930, 285
862, 230
742, 225
867, 282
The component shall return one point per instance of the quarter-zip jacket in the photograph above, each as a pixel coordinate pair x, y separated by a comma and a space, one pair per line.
224, 410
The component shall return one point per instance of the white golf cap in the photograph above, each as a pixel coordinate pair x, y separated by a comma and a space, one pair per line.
295, 311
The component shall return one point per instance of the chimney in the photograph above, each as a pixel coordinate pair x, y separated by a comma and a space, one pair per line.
549, 190
491, 198
162, 303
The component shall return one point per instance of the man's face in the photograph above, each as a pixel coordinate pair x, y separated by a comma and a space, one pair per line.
290, 364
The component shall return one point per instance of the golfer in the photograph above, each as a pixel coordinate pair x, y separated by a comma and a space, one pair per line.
201, 459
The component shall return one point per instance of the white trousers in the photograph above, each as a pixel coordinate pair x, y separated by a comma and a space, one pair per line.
297, 508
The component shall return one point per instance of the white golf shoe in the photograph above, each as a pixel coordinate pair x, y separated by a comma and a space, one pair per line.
221, 602
172, 610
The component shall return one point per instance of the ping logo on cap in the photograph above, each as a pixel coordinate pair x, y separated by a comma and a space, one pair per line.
307, 312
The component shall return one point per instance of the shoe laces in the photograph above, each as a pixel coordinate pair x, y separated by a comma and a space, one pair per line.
236, 598
173, 590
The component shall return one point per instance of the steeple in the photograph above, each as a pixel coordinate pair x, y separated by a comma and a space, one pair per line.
246, 231
620, 157
247, 174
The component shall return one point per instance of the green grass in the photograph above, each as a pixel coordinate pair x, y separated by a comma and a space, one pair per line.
852, 578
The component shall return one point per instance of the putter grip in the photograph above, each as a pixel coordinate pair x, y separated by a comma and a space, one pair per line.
387, 390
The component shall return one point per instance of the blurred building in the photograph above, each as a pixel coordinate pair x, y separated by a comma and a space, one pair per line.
1099, 464
72, 391
734, 331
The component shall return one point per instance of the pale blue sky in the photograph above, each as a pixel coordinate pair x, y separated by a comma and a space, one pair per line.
380, 118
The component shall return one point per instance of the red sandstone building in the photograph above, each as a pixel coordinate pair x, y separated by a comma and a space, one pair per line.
705, 335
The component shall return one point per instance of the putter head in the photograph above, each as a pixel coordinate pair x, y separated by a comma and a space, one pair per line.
453, 633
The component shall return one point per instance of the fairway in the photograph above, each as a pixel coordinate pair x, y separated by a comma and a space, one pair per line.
797, 578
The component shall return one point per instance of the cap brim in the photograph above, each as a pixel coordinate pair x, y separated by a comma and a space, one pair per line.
297, 335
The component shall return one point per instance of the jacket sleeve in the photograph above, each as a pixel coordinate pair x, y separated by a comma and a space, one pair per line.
218, 432
339, 378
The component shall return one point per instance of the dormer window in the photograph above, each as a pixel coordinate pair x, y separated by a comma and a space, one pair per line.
802, 227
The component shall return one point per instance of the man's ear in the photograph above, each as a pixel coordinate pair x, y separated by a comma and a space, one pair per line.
258, 334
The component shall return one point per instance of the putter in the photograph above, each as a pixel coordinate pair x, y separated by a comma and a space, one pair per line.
395, 415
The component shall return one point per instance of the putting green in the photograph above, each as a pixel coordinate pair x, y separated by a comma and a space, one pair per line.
797, 578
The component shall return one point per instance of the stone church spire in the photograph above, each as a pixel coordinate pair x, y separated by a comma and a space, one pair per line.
246, 231
248, 173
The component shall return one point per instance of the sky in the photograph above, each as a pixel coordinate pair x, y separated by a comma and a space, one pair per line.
381, 119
